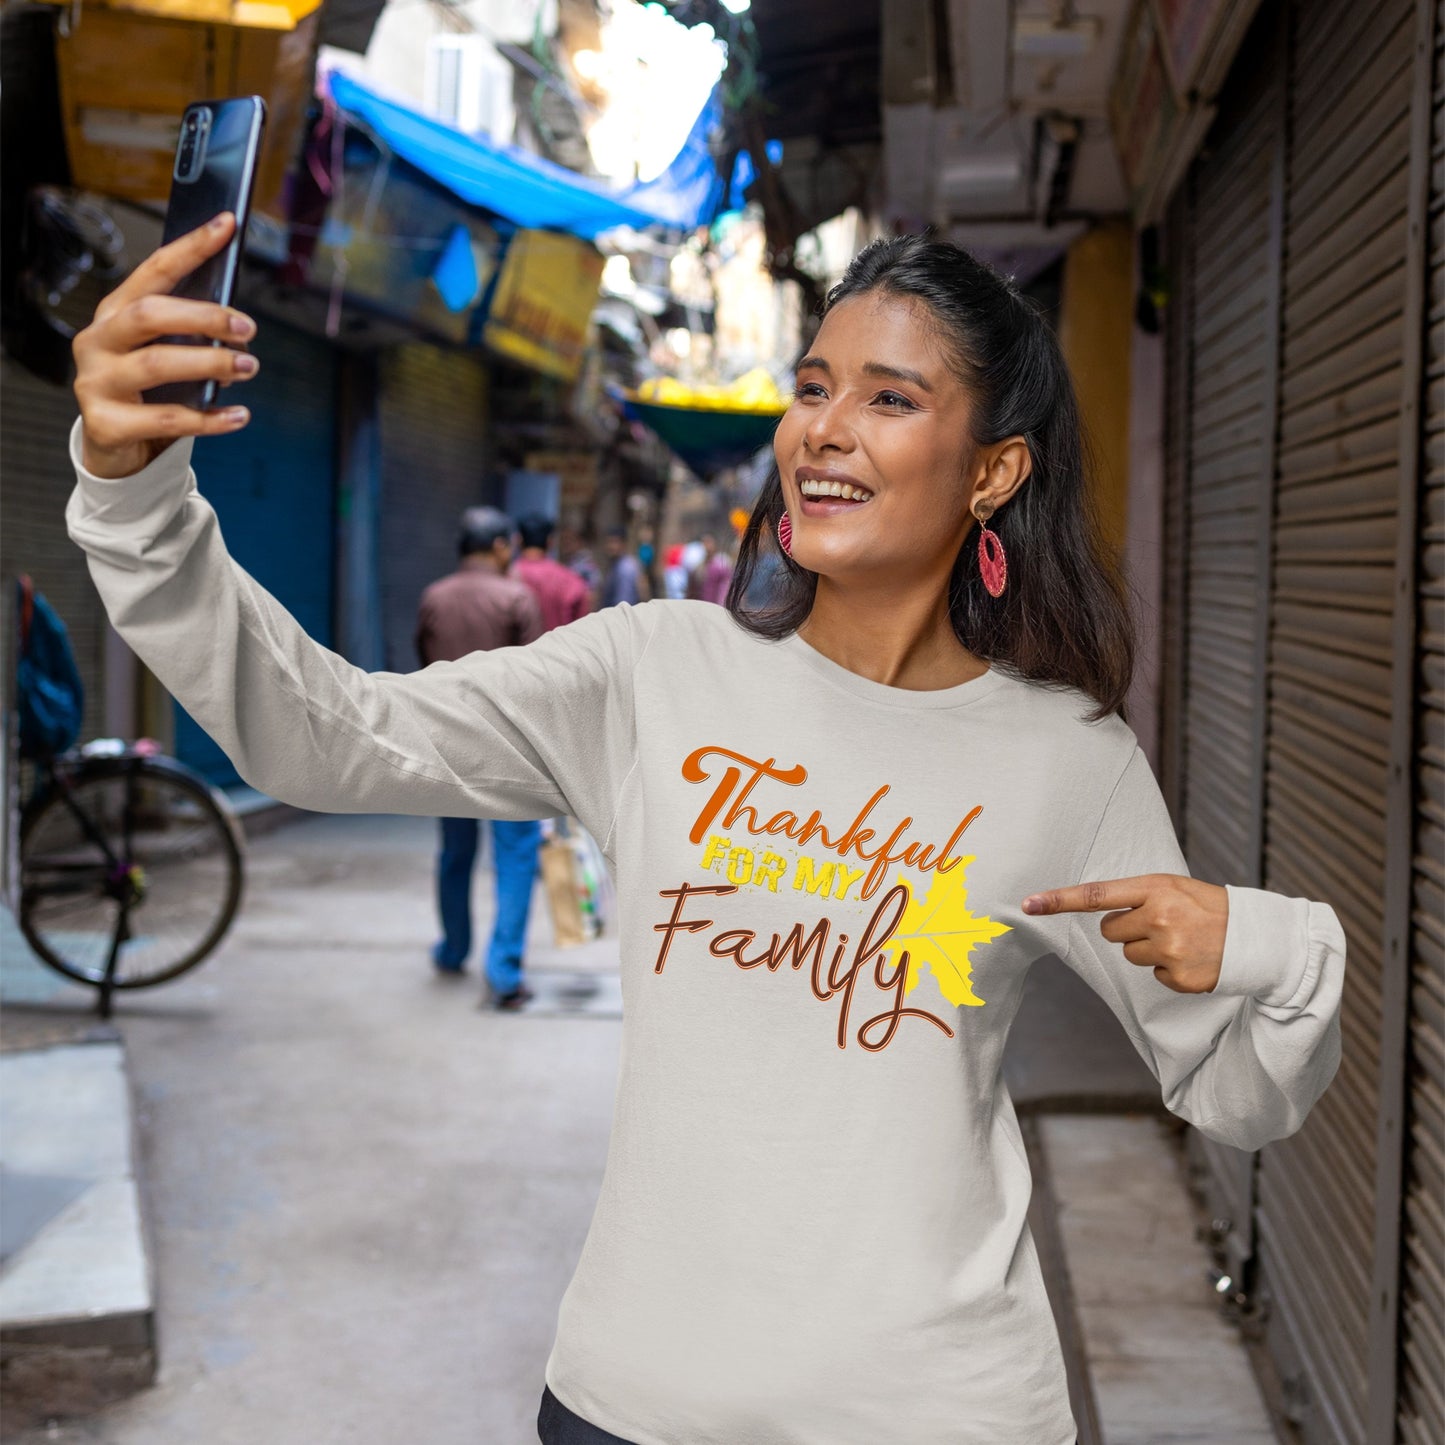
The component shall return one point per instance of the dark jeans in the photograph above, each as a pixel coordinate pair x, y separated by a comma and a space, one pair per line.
557, 1425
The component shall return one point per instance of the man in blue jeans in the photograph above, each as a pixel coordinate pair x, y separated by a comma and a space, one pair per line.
478, 608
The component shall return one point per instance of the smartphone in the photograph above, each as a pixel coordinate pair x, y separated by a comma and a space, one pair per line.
215, 171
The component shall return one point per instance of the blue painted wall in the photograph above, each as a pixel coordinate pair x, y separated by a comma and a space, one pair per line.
273, 487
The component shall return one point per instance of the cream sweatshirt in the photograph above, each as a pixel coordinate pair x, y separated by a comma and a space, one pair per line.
811, 1228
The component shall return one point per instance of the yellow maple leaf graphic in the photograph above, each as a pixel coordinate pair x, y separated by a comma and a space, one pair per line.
938, 931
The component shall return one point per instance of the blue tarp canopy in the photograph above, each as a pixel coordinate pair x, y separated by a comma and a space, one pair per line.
530, 190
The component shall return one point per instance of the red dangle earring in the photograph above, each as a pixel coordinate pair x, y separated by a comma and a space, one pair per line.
785, 534
992, 563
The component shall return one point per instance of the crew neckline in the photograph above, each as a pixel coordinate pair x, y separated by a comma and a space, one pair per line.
910, 699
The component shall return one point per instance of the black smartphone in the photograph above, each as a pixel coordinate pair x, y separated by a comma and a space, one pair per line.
215, 170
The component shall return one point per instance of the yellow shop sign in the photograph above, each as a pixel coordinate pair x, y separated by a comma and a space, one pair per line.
543, 303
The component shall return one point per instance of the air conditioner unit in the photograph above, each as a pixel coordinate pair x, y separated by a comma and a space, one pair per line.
469, 85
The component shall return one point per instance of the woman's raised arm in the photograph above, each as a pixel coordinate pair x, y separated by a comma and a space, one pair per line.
515, 733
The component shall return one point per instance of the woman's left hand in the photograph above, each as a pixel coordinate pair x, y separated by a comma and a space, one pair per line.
1169, 922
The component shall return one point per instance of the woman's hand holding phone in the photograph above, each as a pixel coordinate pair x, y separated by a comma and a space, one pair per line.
120, 355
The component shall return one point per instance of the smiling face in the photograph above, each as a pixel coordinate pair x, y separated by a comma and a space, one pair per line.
875, 451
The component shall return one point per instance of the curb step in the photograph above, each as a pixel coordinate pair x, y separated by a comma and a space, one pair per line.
77, 1300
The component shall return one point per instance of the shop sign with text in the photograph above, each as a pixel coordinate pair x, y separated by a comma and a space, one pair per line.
542, 307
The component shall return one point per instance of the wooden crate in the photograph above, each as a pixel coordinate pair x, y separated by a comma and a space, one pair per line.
125, 78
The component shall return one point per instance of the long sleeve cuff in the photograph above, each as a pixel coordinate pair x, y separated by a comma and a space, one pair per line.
1275, 947
125, 505
119, 518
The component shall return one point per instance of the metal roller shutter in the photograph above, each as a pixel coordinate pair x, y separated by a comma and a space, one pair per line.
37, 477
1330, 661
1421, 1415
1231, 318
434, 464
1174, 655
273, 488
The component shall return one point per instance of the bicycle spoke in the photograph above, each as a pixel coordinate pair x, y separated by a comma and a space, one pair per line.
85, 822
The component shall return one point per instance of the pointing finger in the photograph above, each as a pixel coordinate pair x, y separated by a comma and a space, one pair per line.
1093, 897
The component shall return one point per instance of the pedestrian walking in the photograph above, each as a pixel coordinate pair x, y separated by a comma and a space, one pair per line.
712, 576
694, 554
561, 594
844, 828
476, 609
674, 574
647, 560
576, 556
624, 578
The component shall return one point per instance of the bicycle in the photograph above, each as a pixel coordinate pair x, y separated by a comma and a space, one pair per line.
131, 865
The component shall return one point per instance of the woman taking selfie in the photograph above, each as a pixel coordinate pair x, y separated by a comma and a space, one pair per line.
843, 828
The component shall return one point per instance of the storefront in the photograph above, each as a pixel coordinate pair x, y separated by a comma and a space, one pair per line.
1304, 684
435, 450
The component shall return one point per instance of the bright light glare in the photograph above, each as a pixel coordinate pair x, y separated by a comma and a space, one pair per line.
657, 74
736, 7
589, 64
617, 276
613, 146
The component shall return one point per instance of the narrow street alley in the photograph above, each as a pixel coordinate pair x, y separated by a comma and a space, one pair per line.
998, 444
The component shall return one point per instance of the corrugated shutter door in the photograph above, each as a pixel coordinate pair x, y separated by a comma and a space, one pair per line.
434, 462
1330, 660
1174, 655
273, 488
1422, 1300
37, 477
1230, 318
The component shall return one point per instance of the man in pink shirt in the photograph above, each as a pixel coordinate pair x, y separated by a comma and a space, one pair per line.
561, 594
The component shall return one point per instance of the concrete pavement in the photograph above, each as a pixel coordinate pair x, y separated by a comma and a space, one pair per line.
367, 1194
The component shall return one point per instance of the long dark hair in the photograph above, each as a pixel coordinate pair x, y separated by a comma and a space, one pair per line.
1063, 619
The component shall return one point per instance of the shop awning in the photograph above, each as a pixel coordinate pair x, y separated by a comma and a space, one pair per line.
705, 439
708, 425
530, 190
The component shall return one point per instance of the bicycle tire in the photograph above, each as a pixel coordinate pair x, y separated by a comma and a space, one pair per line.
67, 877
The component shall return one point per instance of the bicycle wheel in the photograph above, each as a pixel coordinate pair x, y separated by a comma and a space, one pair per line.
136, 854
